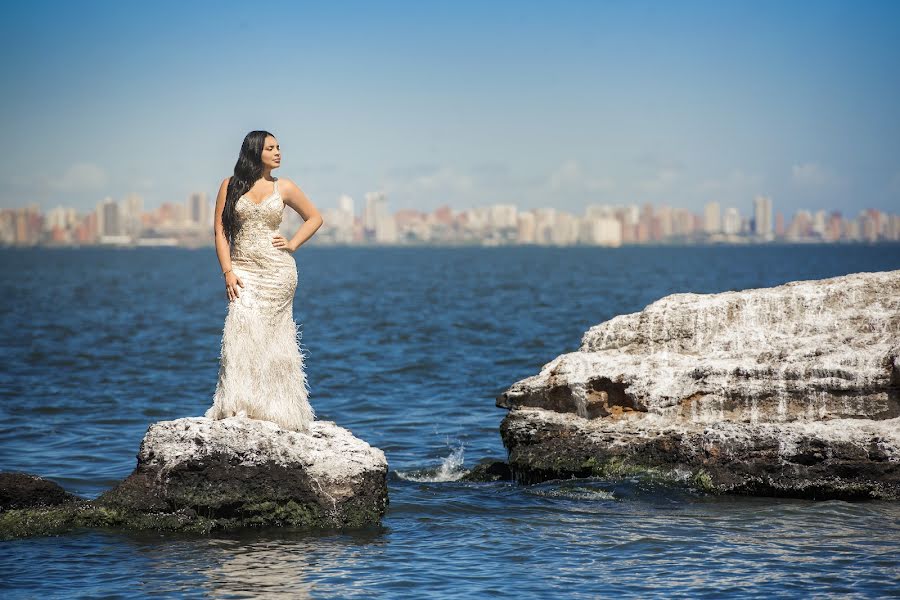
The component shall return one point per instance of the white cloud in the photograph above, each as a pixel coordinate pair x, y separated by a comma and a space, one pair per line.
571, 176
662, 180
422, 180
79, 177
812, 175
737, 183
486, 183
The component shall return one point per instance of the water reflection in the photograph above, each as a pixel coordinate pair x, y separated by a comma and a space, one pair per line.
264, 563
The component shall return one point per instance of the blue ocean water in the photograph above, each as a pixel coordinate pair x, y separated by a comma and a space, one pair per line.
407, 347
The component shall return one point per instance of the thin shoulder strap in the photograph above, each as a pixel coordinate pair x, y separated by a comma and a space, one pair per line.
275, 182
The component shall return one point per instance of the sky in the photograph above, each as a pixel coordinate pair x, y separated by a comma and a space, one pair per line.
542, 104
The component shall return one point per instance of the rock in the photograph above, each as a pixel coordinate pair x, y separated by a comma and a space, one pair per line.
487, 470
791, 390
199, 474
23, 490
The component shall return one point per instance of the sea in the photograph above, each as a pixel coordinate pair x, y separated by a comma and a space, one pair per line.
407, 347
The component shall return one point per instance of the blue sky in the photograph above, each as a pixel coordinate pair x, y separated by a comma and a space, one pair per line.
468, 103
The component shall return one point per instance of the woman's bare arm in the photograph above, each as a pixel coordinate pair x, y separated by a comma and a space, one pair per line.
223, 250
294, 197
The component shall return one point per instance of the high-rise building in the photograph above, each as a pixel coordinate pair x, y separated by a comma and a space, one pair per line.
801, 226
544, 220
338, 226
198, 210
835, 227
819, 223
894, 228
779, 224
601, 231
665, 221
565, 229
712, 218
108, 217
61, 217
345, 204
682, 222
731, 224
130, 216
526, 228
502, 216
762, 217
381, 222
373, 201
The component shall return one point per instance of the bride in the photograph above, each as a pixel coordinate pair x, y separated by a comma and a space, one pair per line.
261, 373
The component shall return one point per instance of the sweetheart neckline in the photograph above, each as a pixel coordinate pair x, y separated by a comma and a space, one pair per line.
244, 197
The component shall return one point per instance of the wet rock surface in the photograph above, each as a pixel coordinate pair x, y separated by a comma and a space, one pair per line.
23, 490
792, 391
488, 470
199, 474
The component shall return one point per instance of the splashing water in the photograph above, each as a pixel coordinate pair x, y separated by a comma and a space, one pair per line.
573, 493
450, 469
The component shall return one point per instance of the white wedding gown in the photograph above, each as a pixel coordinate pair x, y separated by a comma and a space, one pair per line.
261, 371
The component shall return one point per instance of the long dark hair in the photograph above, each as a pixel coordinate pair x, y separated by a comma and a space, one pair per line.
247, 171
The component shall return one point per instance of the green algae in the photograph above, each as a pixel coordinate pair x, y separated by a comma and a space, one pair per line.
50, 520
703, 481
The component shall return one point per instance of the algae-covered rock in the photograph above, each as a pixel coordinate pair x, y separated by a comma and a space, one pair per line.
24, 490
200, 474
488, 470
792, 390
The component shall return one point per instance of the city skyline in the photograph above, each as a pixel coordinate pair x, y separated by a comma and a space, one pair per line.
557, 105
127, 223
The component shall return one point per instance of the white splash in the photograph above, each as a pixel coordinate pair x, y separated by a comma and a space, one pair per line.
450, 469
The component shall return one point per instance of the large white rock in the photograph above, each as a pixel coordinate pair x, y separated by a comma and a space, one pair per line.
248, 467
823, 352
806, 350
198, 474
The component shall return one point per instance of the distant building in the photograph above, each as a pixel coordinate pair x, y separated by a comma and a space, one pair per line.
503, 216
731, 224
108, 218
664, 214
379, 221
565, 229
130, 211
712, 218
544, 221
198, 210
345, 204
682, 223
375, 202
339, 222
819, 224
762, 217
779, 225
526, 228
601, 231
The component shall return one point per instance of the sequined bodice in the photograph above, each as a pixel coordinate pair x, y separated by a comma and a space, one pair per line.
258, 224
267, 213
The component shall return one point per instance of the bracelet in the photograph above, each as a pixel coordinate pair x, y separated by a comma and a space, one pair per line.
226, 272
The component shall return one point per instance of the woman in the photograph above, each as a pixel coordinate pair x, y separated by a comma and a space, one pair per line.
261, 372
